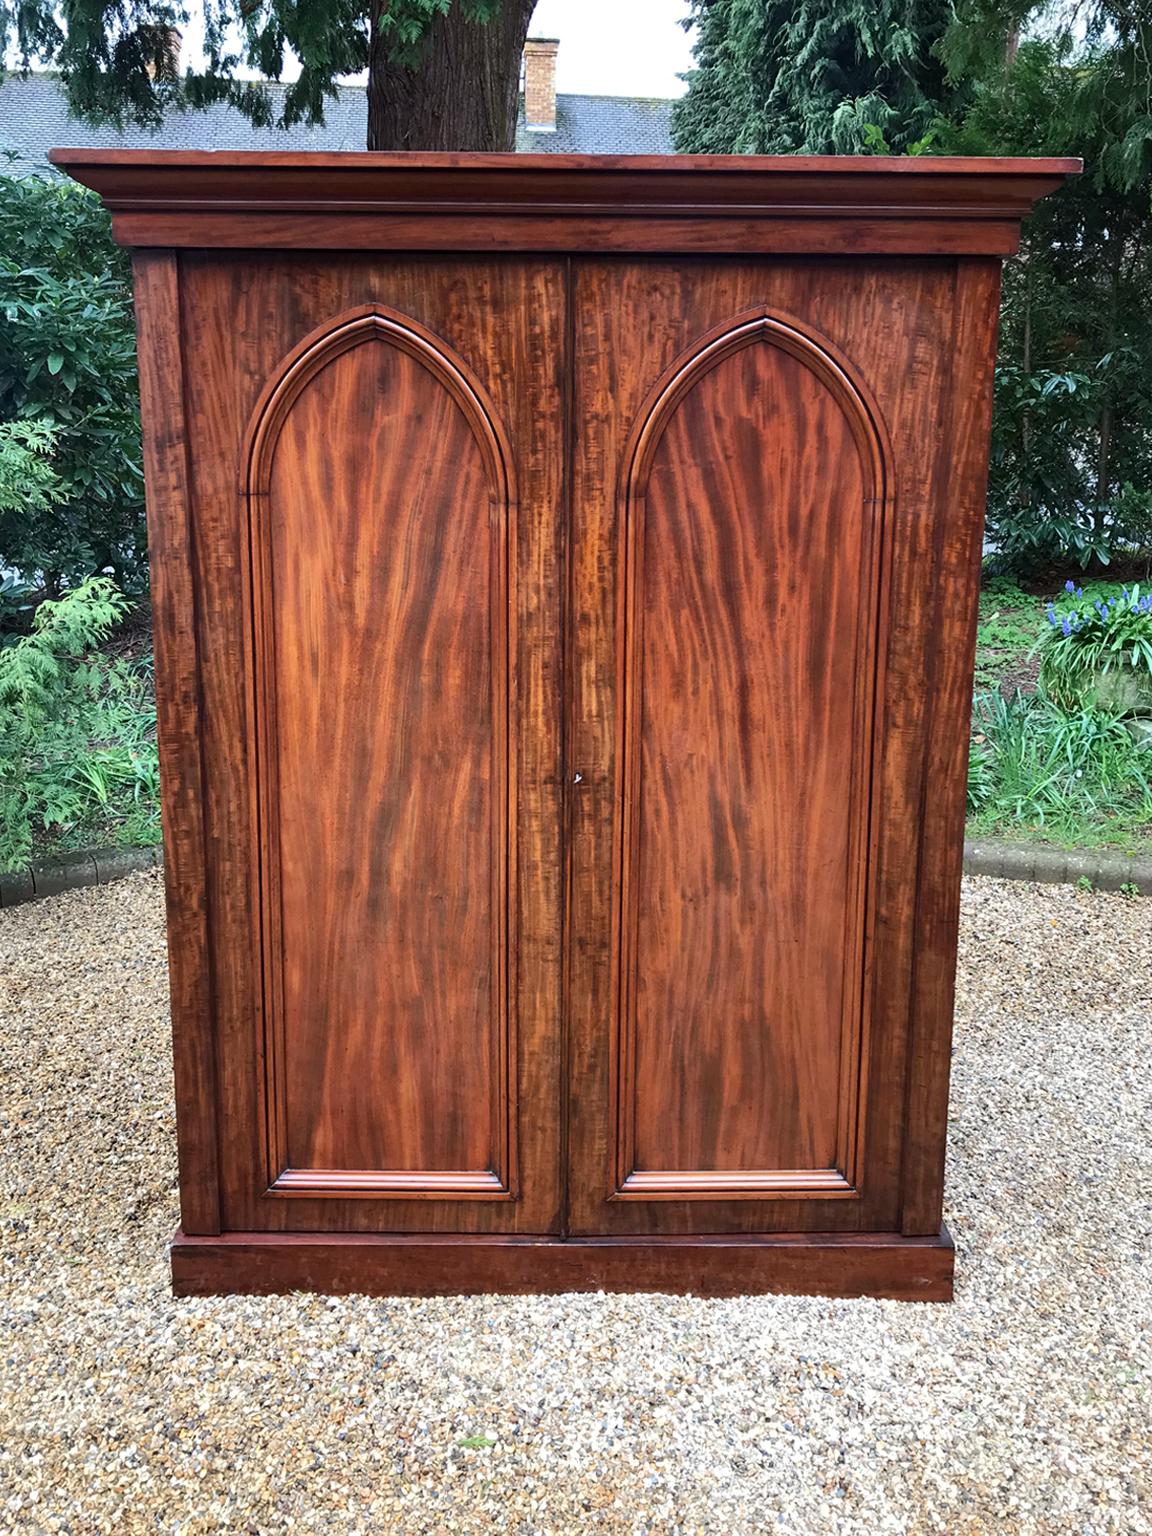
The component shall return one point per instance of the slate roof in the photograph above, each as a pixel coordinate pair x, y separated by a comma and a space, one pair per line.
604, 125
34, 119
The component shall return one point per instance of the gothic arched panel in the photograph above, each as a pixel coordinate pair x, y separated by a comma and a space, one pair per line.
751, 516
379, 494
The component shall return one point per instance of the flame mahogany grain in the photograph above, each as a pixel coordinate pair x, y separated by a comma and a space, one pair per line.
564, 576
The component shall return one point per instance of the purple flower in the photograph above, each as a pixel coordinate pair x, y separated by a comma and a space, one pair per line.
1052, 619
1065, 626
1069, 585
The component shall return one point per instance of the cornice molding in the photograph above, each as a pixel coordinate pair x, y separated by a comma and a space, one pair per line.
739, 204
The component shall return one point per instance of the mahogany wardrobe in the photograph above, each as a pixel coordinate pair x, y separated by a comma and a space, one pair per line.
564, 575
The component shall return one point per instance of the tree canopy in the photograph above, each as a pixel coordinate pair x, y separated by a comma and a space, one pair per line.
442, 74
818, 77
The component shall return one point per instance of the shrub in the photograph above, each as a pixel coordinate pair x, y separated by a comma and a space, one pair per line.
77, 733
1093, 633
71, 485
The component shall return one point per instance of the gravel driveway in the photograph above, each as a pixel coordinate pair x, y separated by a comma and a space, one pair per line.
1023, 1408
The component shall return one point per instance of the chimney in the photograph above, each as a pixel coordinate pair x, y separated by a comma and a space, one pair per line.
540, 84
168, 42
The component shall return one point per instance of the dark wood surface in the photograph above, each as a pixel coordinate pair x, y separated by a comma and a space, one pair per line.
563, 672
958, 552
865, 1264
746, 637
733, 203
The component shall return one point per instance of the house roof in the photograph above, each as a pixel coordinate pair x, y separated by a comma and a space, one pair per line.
34, 118
603, 125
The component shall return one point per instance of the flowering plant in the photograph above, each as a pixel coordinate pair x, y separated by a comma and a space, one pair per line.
1087, 636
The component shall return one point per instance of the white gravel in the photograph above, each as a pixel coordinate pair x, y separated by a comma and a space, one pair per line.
1023, 1408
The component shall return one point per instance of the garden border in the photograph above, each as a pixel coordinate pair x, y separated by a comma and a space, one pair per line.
70, 871
1105, 868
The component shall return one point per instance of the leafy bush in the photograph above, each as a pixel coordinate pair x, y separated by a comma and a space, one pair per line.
71, 485
1076, 776
1090, 634
77, 734
1072, 429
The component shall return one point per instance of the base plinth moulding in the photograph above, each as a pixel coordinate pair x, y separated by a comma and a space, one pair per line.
880, 1264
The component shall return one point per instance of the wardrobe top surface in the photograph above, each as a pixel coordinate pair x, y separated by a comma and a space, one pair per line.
534, 165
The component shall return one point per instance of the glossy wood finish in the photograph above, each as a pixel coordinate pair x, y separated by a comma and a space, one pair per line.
179, 724
399, 656
747, 638
894, 320
401, 599
958, 540
739, 204
880, 1264
564, 663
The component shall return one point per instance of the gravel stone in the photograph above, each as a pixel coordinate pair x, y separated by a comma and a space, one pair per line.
1024, 1408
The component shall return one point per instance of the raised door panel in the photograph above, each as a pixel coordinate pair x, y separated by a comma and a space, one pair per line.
380, 494
753, 507
753, 489
387, 977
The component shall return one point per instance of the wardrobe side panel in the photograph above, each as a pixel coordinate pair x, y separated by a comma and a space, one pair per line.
179, 724
951, 623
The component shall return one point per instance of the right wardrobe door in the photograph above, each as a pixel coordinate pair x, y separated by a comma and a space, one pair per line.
738, 1023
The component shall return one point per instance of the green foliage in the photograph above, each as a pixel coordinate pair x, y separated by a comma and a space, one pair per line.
1089, 634
1073, 776
818, 77
71, 486
116, 61
16, 602
28, 480
1072, 431
77, 733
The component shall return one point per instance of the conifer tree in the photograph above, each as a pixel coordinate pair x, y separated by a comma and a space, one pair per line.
442, 74
817, 77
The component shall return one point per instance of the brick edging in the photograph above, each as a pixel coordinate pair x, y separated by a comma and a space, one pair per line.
94, 866
1105, 868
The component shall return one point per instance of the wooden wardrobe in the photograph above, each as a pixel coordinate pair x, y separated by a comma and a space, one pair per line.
564, 575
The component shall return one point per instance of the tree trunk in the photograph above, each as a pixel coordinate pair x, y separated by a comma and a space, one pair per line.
464, 93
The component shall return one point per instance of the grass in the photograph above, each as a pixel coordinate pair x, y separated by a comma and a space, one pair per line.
1075, 778
102, 767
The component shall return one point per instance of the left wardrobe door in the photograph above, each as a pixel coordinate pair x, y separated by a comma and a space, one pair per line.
376, 454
